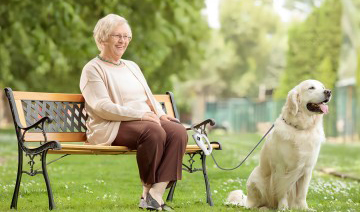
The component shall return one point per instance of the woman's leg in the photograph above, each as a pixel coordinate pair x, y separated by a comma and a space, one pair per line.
148, 139
159, 152
157, 191
146, 188
170, 168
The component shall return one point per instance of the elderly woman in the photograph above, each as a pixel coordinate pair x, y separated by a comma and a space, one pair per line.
123, 112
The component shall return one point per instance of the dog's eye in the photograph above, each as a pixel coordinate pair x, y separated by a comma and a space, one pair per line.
312, 88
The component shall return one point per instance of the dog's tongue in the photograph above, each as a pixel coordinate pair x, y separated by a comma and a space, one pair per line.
324, 108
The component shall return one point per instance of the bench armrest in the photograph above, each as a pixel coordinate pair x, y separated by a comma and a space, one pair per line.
47, 145
203, 123
36, 124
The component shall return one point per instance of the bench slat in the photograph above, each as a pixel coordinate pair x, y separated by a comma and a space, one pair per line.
62, 137
90, 152
19, 95
20, 112
95, 149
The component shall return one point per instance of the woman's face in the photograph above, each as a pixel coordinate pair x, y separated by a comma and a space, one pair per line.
117, 42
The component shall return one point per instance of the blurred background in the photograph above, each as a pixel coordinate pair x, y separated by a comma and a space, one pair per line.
231, 60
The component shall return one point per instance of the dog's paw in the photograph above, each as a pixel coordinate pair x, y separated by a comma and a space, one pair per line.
263, 208
283, 204
302, 205
236, 197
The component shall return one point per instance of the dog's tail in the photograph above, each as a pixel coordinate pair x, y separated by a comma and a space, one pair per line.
236, 197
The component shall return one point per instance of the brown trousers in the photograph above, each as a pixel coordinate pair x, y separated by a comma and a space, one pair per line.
160, 149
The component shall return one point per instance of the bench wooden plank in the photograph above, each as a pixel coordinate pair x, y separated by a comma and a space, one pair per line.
62, 137
19, 95
117, 148
109, 150
20, 112
94, 149
89, 152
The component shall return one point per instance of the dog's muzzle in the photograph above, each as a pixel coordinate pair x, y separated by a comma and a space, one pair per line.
320, 107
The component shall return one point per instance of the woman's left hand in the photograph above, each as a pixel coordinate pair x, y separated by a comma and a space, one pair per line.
169, 118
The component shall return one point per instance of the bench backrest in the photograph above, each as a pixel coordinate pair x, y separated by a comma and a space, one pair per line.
67, 111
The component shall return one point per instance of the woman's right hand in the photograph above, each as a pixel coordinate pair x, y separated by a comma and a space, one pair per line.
151, 117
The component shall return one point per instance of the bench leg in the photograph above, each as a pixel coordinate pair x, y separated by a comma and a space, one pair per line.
18, 180
207, 183
171, 192
47, 181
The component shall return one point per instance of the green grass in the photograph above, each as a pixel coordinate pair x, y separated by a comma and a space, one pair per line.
111, 183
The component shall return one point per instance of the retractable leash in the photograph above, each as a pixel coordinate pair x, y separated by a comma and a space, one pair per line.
199, 140
198, 137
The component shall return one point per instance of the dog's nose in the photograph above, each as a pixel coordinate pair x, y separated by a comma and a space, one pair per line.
327, 93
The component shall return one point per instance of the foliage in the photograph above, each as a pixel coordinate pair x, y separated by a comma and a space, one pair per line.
208, 79
314, 48
301, 5
44, 45
256, 34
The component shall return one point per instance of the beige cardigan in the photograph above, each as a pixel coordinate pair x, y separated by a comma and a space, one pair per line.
103, 100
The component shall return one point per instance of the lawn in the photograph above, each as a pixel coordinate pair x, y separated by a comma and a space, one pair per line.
111, 183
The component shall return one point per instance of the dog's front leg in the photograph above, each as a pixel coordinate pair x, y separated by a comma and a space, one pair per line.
283, 203
302, 187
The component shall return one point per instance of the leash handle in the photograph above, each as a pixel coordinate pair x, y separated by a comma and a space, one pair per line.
230, 169
202, 141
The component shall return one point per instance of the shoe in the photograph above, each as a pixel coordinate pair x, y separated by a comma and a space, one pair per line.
165, 207
152, 204
142, 203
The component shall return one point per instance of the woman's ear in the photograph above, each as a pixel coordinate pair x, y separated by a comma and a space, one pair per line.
293, 101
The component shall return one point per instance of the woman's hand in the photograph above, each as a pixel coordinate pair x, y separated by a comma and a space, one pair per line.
151, 117
169, 118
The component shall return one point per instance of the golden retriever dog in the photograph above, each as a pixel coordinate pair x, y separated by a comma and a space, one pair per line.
287, 158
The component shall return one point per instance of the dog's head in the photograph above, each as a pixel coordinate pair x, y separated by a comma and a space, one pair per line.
309, 96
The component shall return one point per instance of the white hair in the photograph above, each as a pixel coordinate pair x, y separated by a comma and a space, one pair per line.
105, 26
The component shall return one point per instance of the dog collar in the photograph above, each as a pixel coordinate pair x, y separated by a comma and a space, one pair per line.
295, 126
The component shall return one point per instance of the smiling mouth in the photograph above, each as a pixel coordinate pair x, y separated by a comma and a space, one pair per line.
318, 107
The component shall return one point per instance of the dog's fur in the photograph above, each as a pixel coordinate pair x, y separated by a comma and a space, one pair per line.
289, 154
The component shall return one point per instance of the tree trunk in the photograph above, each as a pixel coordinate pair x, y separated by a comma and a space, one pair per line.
198, 108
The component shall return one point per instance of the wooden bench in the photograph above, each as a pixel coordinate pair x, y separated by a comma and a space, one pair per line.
57, 121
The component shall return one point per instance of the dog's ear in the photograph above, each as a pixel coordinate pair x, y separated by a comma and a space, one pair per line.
293, 101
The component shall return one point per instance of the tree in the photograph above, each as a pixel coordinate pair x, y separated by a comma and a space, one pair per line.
255, 32
314, 48
44, 45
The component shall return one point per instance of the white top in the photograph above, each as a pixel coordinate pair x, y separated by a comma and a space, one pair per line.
133, 92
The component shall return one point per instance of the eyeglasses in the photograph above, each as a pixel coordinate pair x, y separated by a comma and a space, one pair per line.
122, 37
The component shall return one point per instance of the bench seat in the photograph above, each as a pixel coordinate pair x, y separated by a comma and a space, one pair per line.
79, 149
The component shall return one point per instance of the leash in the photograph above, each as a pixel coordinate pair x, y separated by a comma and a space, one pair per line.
230, 169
